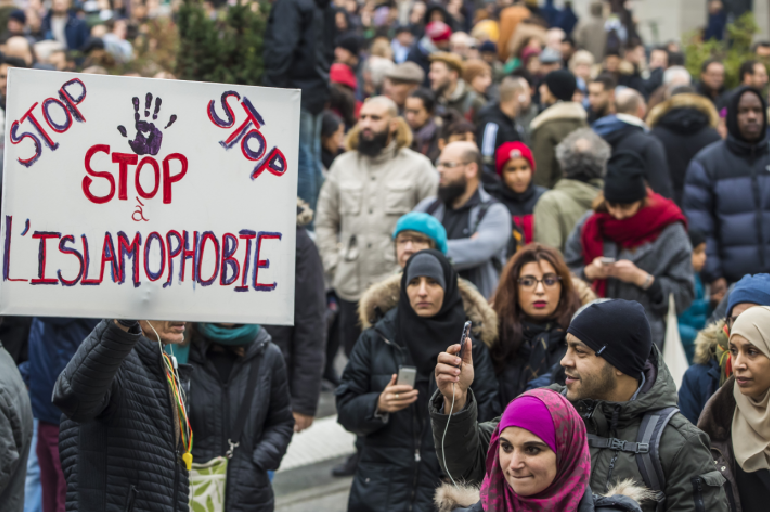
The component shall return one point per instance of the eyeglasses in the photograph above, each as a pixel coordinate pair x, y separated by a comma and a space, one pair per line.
450, 165
530, 283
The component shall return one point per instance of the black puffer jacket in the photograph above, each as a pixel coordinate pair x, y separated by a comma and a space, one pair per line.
727, 196
269, 426
303, 344
118, 444
299, 46
398, 468
685, 124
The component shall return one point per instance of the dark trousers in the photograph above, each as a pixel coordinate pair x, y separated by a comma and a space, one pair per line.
349, 326
51, 475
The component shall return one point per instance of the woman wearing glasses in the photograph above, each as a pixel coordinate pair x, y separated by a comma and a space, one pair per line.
535, 301
634, 244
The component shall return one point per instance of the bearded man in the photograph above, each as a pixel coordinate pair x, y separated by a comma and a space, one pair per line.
478, 227
369, 187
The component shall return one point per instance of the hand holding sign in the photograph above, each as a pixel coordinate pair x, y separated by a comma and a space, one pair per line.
222, 250
150, 144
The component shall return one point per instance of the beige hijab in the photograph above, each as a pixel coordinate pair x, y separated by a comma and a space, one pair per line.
751, 420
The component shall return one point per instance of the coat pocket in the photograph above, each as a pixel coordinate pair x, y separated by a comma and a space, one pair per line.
371, 488
131, 498
705, 490
350, 198
398, 198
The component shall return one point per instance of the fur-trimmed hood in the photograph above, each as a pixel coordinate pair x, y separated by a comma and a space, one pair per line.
684, 101
403, 136
449, 497
557, 111
707, 340
383, 296
304, 213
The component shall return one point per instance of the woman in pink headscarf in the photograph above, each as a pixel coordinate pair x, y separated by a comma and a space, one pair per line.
538, 461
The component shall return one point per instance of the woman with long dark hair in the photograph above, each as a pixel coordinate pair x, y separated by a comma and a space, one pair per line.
534, 302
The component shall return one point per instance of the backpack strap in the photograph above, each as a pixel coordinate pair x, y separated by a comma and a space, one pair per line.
248, 395
650, 432
483, 208
432, 207
612, 443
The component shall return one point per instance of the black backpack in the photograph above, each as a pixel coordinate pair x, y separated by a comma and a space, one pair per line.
646, 448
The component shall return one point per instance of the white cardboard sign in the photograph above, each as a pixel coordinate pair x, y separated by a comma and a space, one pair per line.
148, 199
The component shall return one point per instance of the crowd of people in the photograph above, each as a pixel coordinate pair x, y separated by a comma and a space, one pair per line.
552, 180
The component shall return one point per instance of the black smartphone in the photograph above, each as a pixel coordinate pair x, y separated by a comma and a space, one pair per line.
466, 333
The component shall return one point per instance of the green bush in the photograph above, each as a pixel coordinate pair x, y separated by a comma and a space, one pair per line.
734, 50
225, 50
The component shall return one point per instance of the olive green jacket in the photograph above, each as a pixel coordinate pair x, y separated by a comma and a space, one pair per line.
559, 210
546, 131
692, 482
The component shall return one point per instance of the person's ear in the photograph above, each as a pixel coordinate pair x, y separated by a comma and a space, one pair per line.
394, 124
471, 170
441, 145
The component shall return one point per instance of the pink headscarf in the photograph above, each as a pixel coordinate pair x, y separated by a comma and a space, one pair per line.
573, 459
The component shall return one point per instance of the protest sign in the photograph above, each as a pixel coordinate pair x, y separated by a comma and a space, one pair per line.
148, 199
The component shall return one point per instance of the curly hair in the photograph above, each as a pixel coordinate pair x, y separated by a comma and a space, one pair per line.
583, 155
506, 300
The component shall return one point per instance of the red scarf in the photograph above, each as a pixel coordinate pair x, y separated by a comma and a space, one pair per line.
634, 231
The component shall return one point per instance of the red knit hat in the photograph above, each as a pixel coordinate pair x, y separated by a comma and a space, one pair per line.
438, 31
342, 74
509, 150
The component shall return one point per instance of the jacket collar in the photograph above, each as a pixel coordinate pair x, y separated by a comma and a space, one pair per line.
559, 110
382, 298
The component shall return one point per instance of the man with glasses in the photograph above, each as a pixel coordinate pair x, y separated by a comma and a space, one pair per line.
713, 364
478, 227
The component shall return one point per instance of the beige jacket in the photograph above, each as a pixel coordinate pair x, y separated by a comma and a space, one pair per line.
358, 207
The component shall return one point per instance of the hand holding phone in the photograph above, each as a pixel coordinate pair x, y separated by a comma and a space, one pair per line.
395, 397
454, 370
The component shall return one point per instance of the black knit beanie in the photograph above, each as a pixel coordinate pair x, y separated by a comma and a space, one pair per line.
618, 331
624, 182
697, 237
562, 84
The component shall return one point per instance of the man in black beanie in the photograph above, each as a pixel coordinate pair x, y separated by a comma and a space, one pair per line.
624, 182
561, 117
618, 382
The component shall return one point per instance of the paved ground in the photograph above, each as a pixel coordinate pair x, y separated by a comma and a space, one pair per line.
304, 481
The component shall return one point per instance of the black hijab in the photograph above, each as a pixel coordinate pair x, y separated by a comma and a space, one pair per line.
426, 337
731, 120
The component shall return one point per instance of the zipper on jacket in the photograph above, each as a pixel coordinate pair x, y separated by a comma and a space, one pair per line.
697, 491
132, 498
758, 209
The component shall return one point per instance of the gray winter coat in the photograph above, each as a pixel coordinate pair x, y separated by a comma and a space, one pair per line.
486, 254
15, 434
693, 484
668, 258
